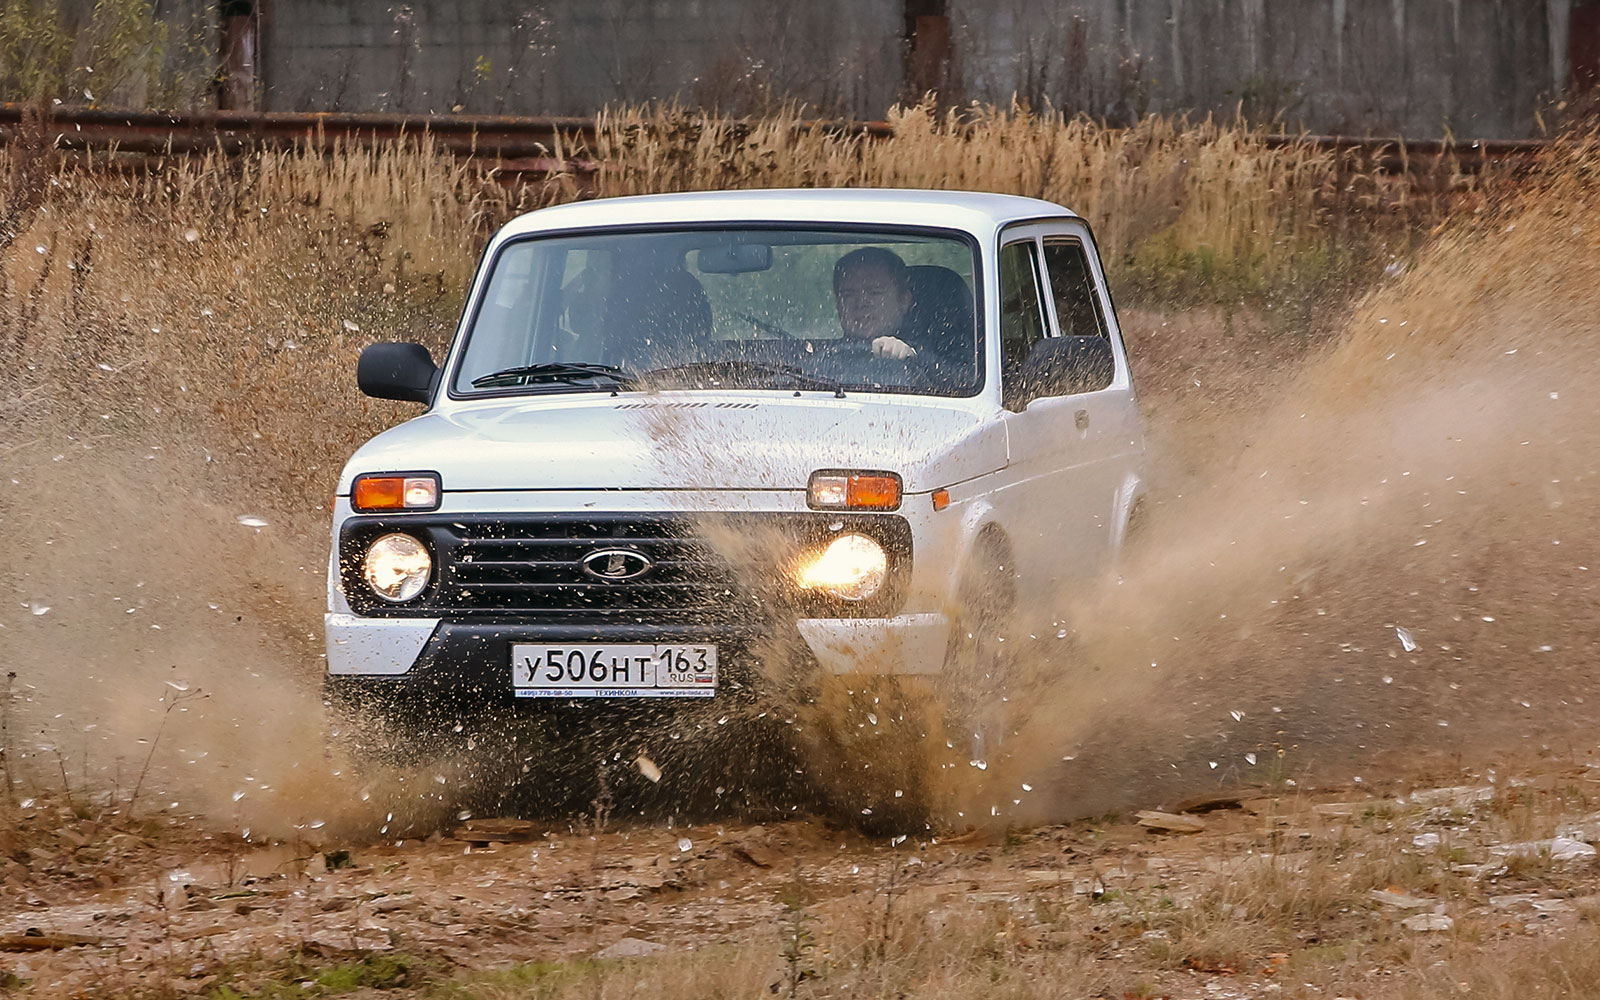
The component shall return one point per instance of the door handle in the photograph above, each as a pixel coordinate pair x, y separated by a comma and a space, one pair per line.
1081, 418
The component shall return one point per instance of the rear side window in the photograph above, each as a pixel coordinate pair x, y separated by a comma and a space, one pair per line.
1078, 308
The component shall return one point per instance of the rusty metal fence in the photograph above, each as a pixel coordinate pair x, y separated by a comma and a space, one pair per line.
523, 149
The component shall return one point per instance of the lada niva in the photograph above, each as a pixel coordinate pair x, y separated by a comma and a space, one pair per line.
694, 447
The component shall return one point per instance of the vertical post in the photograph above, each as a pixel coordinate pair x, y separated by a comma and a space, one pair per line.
239, 41
927, 48
1175, 20
1582, 76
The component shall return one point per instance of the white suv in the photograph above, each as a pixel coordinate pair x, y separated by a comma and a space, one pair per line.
694, 446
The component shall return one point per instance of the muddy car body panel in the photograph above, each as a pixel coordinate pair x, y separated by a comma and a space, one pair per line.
634, 435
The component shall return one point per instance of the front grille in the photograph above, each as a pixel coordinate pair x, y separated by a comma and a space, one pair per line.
533, 566
541, 564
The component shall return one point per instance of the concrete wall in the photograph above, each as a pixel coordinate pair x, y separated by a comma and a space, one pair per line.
1412, 67
575, 56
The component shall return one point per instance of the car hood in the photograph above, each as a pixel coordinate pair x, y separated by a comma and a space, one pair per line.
681, 441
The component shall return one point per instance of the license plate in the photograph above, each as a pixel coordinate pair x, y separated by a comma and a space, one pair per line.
613, 670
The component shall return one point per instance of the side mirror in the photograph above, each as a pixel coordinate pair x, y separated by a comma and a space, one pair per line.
1065, 366
397, 371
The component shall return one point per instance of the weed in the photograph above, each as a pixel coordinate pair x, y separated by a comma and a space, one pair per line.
1182, 211
115, 52
1142, 990
535, 979
798, 941
5, 742
382, 972
170, 699
296, 977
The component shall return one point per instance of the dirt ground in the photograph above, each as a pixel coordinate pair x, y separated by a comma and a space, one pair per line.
1287, 891
1347, 675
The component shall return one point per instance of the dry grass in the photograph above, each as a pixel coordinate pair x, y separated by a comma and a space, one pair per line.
1173, 203
213, 303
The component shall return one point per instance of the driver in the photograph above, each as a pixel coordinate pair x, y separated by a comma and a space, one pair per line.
872, 289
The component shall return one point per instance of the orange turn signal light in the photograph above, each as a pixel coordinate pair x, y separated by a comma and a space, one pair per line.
833, 490
941, 499
415, 491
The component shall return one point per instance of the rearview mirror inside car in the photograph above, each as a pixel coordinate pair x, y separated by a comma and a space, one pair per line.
397, 371
734, 258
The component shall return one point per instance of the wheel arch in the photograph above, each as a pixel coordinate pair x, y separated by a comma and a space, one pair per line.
983, 536
1131, 508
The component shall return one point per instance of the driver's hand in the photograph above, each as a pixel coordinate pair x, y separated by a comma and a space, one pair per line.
892, 347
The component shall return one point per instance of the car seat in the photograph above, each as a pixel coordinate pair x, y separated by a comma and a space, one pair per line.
940, 320
658, 320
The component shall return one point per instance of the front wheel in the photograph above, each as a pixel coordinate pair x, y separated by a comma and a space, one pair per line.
872, 746
897, 754
979, 666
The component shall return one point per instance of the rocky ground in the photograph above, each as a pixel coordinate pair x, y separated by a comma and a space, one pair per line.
1406, 890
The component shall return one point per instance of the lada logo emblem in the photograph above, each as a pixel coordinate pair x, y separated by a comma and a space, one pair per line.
616, 564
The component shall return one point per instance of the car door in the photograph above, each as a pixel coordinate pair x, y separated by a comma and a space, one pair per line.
1064, 479
1081, 306
1052, 539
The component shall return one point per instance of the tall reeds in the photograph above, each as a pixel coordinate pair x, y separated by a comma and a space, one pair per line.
1170, 200
234, 293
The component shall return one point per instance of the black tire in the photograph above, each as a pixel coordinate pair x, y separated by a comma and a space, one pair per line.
895, 755
978, 662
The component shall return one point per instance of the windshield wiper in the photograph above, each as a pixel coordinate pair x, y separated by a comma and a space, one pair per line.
557, 371
738, 367
764, 326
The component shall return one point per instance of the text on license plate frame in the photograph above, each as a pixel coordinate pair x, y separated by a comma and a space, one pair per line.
614, 669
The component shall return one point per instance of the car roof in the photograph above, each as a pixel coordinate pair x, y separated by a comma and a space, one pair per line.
977, 212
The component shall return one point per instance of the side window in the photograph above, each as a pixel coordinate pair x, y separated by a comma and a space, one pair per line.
1021, 314
1078, 308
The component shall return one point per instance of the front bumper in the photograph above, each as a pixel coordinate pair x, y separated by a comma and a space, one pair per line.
904, 644
470, 658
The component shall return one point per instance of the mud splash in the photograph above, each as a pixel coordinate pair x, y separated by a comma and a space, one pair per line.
166, 642
1389, 549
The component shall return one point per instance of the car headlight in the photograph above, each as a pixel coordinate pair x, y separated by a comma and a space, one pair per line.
852, 568
414, 491
396, 567
845, 490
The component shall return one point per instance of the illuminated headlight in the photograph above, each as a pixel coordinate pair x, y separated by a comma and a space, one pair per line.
852, 568
396, 567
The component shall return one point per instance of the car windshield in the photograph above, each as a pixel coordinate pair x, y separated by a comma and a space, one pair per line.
841, 310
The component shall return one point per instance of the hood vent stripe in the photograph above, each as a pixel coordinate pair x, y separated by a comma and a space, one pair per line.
686, 406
